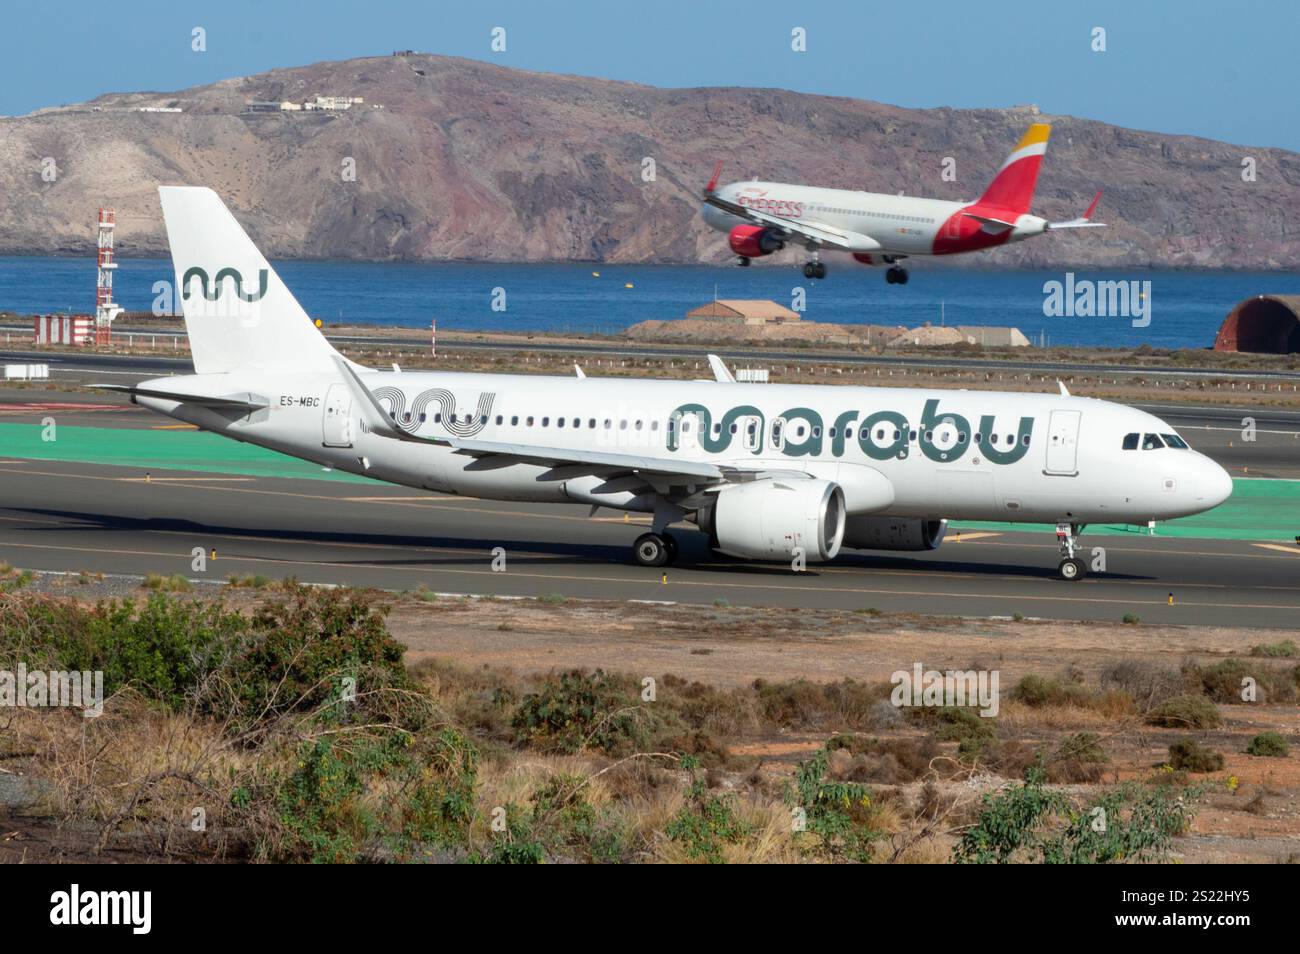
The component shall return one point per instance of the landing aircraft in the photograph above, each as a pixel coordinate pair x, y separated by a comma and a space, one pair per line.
775, 472
763, 217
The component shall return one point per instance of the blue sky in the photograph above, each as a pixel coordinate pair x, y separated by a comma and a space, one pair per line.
1222, 70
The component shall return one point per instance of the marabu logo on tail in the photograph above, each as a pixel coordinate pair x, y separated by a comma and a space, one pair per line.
214, 292
942, 436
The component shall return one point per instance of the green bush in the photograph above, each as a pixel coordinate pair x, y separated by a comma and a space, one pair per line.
1039, 691
707, 822
840, 814
1223, 681
579, 711
1185, 711
368, 798
1286, 649
1270, 745
292, 656
1032, 823
1191, 756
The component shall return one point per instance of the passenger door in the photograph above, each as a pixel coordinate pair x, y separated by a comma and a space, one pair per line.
1063, 443
337, 422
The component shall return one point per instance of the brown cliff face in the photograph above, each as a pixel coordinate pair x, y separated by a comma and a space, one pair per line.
472, 161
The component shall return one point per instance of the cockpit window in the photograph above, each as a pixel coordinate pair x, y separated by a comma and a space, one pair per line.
1173, 440
1152, 442
1131, 441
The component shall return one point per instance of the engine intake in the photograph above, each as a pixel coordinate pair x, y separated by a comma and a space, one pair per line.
768, 519
753, 241
894, 533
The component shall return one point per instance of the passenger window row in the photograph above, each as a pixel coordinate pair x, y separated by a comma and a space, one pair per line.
800, 430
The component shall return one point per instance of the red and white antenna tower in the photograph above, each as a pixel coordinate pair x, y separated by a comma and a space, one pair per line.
105, 308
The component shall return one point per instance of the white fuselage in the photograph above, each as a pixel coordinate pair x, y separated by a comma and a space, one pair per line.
942, 454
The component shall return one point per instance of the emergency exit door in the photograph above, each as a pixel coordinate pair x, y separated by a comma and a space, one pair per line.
338, 417
1063, 443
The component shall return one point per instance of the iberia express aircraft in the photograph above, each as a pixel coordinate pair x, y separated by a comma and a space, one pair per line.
763, 217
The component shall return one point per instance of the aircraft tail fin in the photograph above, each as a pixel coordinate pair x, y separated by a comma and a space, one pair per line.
1013, 187
238, 313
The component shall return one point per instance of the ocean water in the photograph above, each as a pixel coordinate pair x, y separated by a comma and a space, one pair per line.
1186, 307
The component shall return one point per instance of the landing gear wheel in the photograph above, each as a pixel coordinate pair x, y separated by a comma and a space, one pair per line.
809, 270
650, 549
671, 543
744, 262
1072, 569
819, 270
896, 275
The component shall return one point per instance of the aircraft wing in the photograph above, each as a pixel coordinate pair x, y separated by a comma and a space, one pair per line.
659, 471
809, 230
597, 460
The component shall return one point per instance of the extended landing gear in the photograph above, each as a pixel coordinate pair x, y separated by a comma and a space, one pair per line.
896, 275
1071, 567
655, 549
814, 268
744, 262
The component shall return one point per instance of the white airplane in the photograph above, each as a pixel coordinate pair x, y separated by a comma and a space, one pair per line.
768, 471
763, 217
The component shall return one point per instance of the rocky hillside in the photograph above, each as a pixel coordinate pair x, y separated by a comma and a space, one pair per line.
472, 161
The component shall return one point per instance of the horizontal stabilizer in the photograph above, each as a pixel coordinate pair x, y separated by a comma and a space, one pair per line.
996, 226
227, 402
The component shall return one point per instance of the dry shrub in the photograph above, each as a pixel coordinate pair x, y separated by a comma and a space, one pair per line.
1146, 683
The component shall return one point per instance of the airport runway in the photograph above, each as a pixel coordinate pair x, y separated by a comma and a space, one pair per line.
730, 353
69, 516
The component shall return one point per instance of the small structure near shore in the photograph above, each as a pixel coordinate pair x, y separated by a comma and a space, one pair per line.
744, 311
1265, 324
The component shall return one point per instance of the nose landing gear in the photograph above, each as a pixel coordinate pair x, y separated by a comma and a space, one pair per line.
1071, 567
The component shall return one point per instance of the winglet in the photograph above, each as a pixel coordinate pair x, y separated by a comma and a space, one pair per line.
1061, 384
1087, 216
721, 373
373, 413
577, 369
713, 183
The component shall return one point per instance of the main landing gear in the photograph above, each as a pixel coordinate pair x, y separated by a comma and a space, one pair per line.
655, 549
658, 548
744, 262
896, 275
814, 268
1071, 568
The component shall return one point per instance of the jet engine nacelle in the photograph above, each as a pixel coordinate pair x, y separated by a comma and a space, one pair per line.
894, 533
753, 241
768, 519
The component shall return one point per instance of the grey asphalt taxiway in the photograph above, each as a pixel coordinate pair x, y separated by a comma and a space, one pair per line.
71, 517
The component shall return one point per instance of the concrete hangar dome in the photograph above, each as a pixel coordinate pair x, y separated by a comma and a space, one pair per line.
1265, 324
